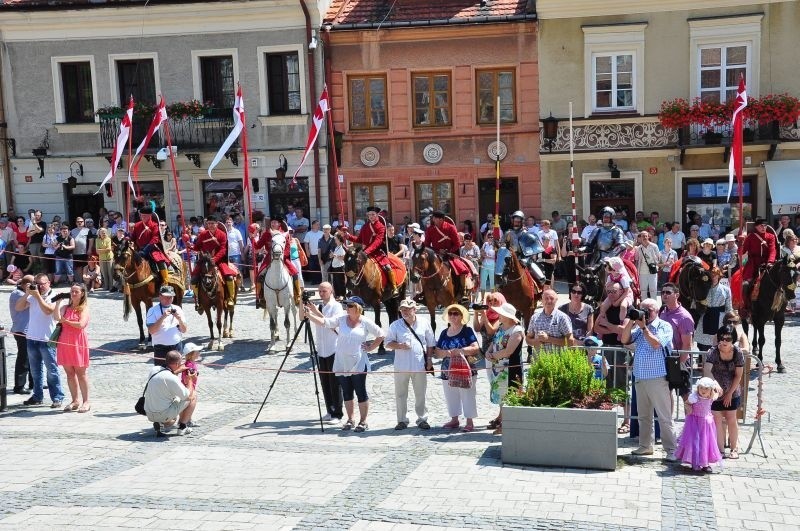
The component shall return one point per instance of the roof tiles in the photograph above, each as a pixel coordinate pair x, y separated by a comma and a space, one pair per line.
346, 12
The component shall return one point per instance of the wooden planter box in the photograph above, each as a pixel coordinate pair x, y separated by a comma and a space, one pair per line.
575, 438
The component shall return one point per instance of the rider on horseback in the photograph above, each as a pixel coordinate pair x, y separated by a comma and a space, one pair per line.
607, 240
214, 241
526, 244
760, 246
442, 237
372, 237
146, 236
277, 226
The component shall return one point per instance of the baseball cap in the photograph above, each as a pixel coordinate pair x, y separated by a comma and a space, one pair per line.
167, 290
188, 348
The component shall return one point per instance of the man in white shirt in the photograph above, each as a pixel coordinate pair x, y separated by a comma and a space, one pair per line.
167, 324
677, 236
300, 223
166, 399
311, 244
326, 347
412, 341
588, 230
235, 242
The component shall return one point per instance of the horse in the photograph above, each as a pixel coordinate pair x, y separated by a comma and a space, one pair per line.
436, 276
593, 277
365, 279
694, 282
518, 286
278, 290
211, 294
139, 284
776, 288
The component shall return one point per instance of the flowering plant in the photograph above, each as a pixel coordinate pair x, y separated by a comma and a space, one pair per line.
783, 108
188, 109
110, 110
675, 113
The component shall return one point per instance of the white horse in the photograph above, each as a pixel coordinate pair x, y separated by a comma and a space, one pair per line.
278, 290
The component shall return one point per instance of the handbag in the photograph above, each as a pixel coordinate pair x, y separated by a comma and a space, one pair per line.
424, 352
676, 377
139, 407
460, 372
52, 342
652, 267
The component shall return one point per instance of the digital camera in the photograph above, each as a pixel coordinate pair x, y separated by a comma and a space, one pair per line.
306, 297
636, 314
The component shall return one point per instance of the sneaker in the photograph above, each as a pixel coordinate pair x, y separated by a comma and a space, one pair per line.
401, 426
192, 424
327, 418
424, 425
671, 457
186, 430
32, 402
642, 451
56, 404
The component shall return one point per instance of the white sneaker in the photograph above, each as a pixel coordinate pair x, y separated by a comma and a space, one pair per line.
184, 431
327, 418
192, 424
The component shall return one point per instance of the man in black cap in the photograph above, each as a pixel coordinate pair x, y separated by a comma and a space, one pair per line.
761, 248
146, 236
372, 237
442, 237
214, 241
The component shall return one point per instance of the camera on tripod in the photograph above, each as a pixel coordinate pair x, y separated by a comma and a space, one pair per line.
306, 297
636, 314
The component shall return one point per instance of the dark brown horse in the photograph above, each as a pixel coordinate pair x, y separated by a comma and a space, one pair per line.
140, 285
438, 287
364, 278
518, 287
211, 294
694, 283
776, 288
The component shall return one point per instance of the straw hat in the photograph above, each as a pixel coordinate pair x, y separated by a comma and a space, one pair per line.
464, 312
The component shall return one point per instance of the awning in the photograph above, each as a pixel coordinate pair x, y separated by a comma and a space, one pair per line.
783, 177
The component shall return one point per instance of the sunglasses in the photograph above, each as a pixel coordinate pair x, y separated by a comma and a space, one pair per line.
579, 292
458, 314
613, 291
667, 292
352, 305
726, 339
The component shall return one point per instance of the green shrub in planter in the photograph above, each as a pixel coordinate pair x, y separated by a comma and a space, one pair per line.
563, 379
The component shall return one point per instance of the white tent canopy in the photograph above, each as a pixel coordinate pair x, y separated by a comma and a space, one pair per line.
783, 177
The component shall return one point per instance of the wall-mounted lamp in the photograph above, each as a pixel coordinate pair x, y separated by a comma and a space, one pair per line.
109, 189
76, 168
283, 166
40, 153
313, 44
233, 156
612, 167
550, 131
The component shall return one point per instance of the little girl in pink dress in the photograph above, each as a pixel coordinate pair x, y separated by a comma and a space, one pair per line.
698, 442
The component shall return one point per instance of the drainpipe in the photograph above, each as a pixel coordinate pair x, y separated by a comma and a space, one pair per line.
327, 50
4, 153
312, 88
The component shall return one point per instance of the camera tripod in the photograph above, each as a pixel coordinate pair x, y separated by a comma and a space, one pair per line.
304, 326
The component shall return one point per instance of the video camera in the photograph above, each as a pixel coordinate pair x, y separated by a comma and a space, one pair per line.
306, 297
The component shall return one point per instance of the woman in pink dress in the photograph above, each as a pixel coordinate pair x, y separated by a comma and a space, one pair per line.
698, 443
72, 351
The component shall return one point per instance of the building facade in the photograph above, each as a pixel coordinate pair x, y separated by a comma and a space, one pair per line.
414, 89
618, 61
68, 68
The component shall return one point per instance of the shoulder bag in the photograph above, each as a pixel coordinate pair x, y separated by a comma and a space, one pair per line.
424, 350
676, 377
139, 407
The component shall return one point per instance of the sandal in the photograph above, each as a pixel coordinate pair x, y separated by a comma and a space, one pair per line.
624, 428
734, 454
453, 424
494, 424
348, 425
468, 429
85, 408
362, 427
73, 406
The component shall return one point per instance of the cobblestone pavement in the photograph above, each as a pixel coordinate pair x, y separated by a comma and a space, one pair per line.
106, 470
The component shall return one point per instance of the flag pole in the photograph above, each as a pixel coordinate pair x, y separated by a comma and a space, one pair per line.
497, 177
246, 184
574, 236
335, 164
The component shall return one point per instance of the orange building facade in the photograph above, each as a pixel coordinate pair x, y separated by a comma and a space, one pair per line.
414, 109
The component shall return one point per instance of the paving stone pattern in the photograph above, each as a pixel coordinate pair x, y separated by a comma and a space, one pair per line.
105, 469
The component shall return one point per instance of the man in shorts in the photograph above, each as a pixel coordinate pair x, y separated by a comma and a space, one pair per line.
166, 399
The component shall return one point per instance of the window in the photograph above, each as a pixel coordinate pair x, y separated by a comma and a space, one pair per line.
216, 75
709, 198
150, 192
431, 99
76, 84
491, 84
136, 78
436, 195
366, 195
283, 78
720, 68
368, 102
613, 82
220, 198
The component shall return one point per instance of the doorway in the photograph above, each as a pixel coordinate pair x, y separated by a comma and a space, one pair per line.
619, 194
83, 199
509, 199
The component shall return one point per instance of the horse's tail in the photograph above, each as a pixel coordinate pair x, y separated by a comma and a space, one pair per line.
126, 304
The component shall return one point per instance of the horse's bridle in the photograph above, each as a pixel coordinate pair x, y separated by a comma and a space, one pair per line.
436, 272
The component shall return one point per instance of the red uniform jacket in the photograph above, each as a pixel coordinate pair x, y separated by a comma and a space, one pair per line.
266, 241
215, 243
444, 238
760, 249
372, 237
144, 234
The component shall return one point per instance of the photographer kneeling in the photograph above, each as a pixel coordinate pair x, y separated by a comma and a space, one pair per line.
166, 399
647, 341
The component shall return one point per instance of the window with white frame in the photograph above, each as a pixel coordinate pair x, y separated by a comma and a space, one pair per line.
75, 89
613, 82
722, 50
614, 68
282, 78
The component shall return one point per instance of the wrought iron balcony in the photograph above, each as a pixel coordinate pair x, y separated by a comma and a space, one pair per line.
207, 132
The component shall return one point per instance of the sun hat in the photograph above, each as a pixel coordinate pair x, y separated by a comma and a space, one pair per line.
464, 312
730, 238
408, 303
507, 310
721, 241
708, 241
326, 226
188, 348
417, 230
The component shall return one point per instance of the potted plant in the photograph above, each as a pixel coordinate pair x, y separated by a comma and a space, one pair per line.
182, 110
563, 416
110, 111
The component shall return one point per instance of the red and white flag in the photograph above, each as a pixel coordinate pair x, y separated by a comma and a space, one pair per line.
238, 126
735, 163
316, 124
119, 147
159, 118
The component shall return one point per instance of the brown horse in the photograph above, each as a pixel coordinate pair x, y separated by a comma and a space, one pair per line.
364, 278
437, 280
518, 287
140, 285
211, 294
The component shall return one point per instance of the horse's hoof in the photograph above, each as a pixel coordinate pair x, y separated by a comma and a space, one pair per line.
230, 334
781, 368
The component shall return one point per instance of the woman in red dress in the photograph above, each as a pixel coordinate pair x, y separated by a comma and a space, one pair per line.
72, 351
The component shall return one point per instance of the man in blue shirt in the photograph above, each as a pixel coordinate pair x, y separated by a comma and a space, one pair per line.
647, 337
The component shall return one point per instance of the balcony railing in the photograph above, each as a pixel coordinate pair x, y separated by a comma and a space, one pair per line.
187, 133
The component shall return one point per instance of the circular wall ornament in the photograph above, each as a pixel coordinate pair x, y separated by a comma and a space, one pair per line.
370, 156
433, 153
494, 150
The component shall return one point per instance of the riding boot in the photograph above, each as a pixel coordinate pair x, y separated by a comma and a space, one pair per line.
259, 295
744, 311
195, 290
391, 281
465, 296
164, 274
298, 291
230, 284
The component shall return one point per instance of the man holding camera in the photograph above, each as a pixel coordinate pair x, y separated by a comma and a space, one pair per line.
19, 327
166, 399
167, 324
647, 340
326, 347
